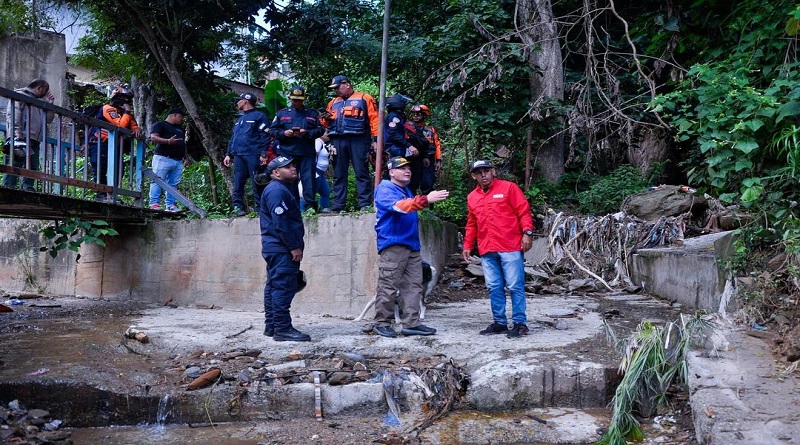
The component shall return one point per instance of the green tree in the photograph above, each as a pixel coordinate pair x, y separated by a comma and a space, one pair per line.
181, 39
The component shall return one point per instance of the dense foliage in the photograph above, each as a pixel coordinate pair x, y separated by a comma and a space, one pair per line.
735, 112
719, 76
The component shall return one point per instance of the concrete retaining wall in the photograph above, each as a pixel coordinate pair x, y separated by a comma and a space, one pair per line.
205, 262
688, 274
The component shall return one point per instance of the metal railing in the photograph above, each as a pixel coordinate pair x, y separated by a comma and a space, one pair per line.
70, 153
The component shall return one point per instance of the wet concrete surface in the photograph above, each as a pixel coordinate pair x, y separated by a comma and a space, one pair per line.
75, 360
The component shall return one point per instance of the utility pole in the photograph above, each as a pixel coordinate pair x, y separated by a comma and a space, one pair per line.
387, 8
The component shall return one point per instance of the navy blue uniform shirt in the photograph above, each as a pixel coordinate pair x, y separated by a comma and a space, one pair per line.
250, 134
290, 118
282, 227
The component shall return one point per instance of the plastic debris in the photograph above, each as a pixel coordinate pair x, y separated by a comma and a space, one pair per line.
390, 419
758, 327
137, 335
14, 302
53, 425
206, 379
40, 371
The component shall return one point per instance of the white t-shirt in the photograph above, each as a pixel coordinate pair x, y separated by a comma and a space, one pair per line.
323, 155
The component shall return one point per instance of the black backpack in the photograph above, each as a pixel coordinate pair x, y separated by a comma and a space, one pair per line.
94, 111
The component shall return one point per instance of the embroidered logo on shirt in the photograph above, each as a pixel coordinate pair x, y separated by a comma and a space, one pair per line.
498, 196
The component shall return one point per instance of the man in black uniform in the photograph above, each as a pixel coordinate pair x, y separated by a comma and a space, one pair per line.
169, 156
282, 246
296, 128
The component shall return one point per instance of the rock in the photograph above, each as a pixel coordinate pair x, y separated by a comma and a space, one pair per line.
532, 289
293, 355
633, 289
777, 262
561, 325
38, 413
536, 273
339, 378
233, 355
560, 313
5, 434
252, 352
664, 200
192, 372
558, 280
287, 365
476, 270
791, 346
553, 290
746, 282
581, 285
351, 359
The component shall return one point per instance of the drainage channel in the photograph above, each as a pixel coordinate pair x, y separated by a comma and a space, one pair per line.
73, 361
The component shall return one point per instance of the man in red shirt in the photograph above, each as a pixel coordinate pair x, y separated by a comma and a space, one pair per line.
500, 220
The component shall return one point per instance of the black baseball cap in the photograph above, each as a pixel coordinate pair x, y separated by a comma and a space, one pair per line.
248, 97
477, 165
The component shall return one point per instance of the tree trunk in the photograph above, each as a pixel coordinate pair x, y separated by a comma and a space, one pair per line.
214, 148
166, 54
537, 28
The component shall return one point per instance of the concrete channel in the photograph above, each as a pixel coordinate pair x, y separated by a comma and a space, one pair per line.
68, 353
74, 360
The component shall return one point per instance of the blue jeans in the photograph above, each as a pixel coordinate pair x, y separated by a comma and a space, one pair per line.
170, 170
279, 290
324, 190
505, 270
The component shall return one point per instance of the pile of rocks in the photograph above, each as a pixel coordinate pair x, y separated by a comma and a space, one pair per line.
22, 426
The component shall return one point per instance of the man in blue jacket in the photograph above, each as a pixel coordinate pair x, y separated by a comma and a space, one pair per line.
247, 150
400, 264
296, 128
282, 246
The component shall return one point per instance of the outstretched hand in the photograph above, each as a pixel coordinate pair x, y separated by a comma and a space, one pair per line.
437, 195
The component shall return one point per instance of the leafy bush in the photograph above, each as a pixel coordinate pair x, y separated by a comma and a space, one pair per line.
71, 233
606, 194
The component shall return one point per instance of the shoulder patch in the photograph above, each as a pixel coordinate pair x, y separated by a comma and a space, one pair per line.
392, 124
396, 119
279, 210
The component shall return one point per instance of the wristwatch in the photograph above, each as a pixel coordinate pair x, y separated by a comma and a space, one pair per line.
528, 232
